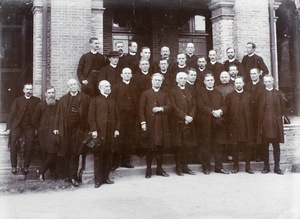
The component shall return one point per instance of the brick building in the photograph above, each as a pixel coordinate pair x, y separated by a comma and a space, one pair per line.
42, 40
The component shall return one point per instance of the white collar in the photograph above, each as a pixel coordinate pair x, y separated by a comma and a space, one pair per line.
112, 65
132, 53
94, 52
190, 55
73, 95
207, 88
126, 82
269, 89
163, 72
231, 60
190, 82
105, 95
181, 66
201, 69
239, 91
155, 89
213, 62
255, 82
251, 55
182, 88
233, 79
27, 98
145, 73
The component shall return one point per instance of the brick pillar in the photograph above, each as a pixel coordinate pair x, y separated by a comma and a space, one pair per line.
97, 20
70, 32
222, 18
37, 11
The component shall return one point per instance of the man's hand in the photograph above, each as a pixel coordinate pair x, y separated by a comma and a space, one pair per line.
56, 132
117, 133
144, 127
85, 82
94, 134
188, 119
157, 109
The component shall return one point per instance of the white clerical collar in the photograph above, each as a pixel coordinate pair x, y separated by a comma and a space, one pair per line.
181, 87
213, 62
207, 88
132, 53
181, 66
231, 60
251, 55
201, 69
121, 55
269, 89
105, 95
27, 97
255, 82
163, 72
112, 65
239, 91
145, 73
126, 82
94, 52
155, 89
190, 55
191, 83
233, 79
74, 94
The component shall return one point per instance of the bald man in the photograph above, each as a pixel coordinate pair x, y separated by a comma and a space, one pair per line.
225, 87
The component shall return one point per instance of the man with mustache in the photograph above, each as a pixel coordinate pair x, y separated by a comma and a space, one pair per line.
19, 124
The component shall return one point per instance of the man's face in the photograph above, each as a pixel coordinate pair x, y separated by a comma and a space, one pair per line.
209, 81
192, 76
233, 71
163, 64
250, 49
230, 53
50, 94
119, 48
145, 54
181, 59
190, 48
201, 63
157, 82
126, 74
254, 75
73, 85
144, 65
28, 91
181, 79
224, 78
212, 55
133, 47
239, 84
165, 52
105, 88
95, 45
114, 60
269, 82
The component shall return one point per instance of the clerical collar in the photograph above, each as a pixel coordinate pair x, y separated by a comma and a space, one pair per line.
231, 60
201, 69
121, 55
74, 94
213, 62
255, 82
112, 65
145, 73
106, 95
132, 53
190, 55
251, 55
181, 66
155, 89
181, 87
191, 83
27, 98
163, 72
239, 91
233, 79
94, 52
207, 88
126, 82
269, 89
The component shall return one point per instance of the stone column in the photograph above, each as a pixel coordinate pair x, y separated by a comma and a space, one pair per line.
97, 21
222, 18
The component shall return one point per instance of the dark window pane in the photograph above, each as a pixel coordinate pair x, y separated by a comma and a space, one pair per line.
11, 47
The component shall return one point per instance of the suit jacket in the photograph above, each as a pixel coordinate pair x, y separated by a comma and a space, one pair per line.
97, 117
254, 61
200, 76
216, 69
61, 122
183, 104
279, 108
231, 111
241, 69
191, 61
169, 80
208, 126
112, 75
142, 81
18, 109
131, 61
157, 123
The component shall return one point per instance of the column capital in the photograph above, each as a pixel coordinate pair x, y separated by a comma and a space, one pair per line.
221, 9
37, 6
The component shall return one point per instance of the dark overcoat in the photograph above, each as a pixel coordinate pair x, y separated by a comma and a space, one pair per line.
157, 123
216, 69
208, 126
97, 118
61, 117
183, 104
191, 61
231, 112
254, 61
200, 76
43, 120
279, 107
241, 69
142, 81
112, 75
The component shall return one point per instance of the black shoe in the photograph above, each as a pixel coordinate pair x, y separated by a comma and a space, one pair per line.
250, 171
127, 165
235, 170
108, 181
148, 173
25, 170
97, 185
279, 171
189, 172
162, 173
67, 179
74, 182
14, 170
206, 172
222, 171
179, 172
264, 171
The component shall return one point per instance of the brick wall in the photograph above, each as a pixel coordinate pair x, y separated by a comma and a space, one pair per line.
107, 31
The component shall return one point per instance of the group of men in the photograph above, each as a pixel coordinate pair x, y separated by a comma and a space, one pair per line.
126, 100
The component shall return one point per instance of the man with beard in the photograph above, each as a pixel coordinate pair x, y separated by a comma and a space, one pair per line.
43, 120
233, 72
239, 108
182, 123
211, 125
214, 66
89, 67
233, 61
153, 115
126, 95
71, 126
103, 119
19, 124
191, 59
270, 126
